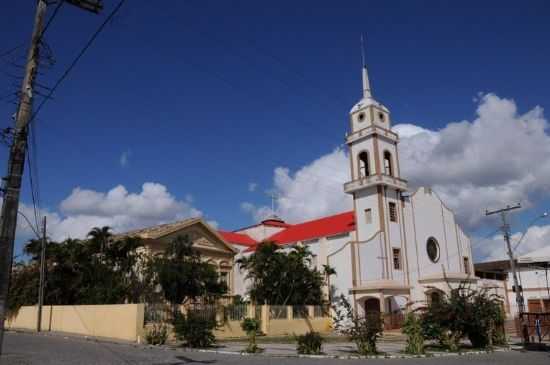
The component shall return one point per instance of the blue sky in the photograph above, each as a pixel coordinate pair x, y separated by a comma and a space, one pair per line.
206, 97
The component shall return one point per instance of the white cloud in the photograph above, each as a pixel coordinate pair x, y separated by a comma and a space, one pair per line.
125, 158
252, 186
84, 209
494, 248
499, 157
316, 189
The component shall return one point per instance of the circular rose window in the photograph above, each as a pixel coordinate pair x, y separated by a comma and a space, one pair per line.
432, 248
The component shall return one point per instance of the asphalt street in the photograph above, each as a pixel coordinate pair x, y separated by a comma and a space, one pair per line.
27, 349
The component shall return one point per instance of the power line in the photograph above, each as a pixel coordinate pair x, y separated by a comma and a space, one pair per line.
10, 51
35, 191
77, 58
52, 17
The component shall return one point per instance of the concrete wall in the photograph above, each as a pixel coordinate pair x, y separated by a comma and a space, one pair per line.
122, 322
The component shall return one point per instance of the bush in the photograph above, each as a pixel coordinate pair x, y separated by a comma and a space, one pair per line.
157, 335
363, 331
251, 326
464, 312
309, 344
412, 328
195, 330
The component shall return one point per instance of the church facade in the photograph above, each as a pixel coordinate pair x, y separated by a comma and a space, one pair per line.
396, 248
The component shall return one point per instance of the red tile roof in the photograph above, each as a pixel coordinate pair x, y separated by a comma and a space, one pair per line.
237, 238
322, 227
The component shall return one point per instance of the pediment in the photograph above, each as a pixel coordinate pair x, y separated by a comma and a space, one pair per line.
204, 238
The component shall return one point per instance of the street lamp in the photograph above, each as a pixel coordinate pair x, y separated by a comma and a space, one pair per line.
543, 215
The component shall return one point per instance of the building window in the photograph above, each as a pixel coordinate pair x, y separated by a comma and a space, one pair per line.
467, 265
361, 117
224, 278
393, 212
397, 259
368, 216
388, 168
434, 297
381, 116
364, 170
432, 248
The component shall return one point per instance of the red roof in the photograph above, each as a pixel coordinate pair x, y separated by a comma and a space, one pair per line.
237, 238
322, 227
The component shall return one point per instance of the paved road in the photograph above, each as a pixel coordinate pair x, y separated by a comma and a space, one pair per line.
30, 349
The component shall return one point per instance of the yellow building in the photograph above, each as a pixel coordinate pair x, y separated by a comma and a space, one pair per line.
213, 248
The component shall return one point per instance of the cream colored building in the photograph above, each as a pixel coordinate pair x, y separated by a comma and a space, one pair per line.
395, 248
212, 246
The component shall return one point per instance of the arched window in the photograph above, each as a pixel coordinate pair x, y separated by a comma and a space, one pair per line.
388, 168
364, 164
435, 297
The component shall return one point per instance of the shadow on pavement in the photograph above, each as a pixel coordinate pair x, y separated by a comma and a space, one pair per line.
187, 360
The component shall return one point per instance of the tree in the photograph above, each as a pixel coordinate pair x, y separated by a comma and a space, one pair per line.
284, 278
84, 272
183, 275
100, 238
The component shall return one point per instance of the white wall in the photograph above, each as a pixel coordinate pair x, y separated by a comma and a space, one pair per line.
260, 232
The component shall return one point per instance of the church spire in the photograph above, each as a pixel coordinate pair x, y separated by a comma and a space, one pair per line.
366, 84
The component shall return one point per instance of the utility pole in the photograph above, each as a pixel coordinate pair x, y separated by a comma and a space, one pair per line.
16, 164
506, 232
11, 185
42, 277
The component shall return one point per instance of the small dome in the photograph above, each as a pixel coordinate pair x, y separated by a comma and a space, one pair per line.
364, 102
273, 219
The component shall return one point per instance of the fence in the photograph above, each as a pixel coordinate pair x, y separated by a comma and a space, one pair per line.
275, 320
393, 320
530, 319
123, 322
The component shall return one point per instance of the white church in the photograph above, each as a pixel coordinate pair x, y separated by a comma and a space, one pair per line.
395, 247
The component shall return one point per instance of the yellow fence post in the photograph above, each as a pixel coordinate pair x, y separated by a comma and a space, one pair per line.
265, 319
251, 311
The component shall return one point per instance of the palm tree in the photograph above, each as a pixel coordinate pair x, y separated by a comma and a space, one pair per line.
100, 237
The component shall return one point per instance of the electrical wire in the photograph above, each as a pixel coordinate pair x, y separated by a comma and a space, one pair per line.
77, 58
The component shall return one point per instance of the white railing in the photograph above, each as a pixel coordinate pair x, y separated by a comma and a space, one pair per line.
380, 179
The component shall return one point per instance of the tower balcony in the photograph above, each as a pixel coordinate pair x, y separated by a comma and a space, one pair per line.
375, 180
370, 130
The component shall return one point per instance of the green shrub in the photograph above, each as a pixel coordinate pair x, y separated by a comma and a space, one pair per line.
194, 329
309, 344
251, 326
364, 331
464, 312
157, 335
412, 328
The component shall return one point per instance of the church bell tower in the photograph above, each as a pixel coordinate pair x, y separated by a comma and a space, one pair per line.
376, 184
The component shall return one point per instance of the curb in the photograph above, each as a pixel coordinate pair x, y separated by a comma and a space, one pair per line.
242, 353
340, 357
